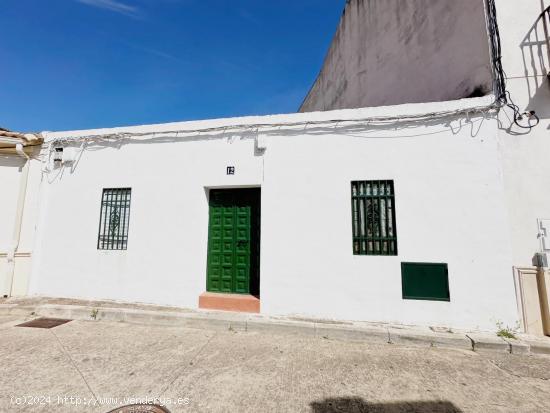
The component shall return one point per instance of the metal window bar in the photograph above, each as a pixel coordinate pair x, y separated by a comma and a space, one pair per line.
114, 219
373, 217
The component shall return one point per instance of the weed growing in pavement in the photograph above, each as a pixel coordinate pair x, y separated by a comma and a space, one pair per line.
507, 332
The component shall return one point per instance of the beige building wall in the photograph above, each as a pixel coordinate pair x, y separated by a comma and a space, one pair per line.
528, 301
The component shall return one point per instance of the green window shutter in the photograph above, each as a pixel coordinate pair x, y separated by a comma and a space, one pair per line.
373, 218
425, 281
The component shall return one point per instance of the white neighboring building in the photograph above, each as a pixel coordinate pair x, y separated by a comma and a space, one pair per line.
166, 213
19, 186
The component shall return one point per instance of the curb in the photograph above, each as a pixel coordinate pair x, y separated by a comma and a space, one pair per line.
216, 320
434, 339
482, 342
14, 309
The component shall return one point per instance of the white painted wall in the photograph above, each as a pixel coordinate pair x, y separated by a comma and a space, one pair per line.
448, 203
166, 259
449, 199
467, 195
11, 167
525, 157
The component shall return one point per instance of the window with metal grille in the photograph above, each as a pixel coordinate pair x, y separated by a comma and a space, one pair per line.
373, 214
114, 219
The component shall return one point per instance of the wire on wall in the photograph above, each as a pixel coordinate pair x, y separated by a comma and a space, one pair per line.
277, 127
525, 120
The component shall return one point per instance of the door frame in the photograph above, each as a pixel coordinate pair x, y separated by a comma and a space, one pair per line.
255, 239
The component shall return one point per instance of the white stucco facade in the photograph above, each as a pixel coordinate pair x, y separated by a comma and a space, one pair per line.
468, 192
12, 166
526, 156
449, 197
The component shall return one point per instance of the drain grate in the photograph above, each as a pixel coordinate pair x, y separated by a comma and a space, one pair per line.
44, 323
141, 408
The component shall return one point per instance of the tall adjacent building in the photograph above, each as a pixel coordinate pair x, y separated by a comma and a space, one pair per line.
411, 188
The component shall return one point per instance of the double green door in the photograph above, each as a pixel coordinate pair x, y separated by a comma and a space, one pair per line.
233, 241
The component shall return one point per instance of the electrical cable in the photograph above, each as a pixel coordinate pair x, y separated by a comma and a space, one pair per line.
329, 123
503, 97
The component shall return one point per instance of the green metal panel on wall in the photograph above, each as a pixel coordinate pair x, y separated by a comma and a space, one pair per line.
233, 241
425, 281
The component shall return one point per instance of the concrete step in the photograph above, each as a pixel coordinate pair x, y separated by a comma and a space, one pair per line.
375, 333
243, 303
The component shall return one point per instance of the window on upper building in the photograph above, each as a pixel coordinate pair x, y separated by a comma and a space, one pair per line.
114, 219
373, 214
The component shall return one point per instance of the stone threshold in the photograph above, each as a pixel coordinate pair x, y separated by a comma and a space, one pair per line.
241, 303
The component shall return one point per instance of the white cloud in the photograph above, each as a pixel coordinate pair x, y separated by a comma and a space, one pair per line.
113, 5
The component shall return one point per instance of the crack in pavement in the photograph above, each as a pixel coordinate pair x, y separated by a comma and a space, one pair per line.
519, 376
184, 368
66, 352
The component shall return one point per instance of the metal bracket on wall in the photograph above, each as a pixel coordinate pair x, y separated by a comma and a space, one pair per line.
544, 234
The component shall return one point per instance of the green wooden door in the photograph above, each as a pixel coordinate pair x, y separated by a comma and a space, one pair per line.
231, 240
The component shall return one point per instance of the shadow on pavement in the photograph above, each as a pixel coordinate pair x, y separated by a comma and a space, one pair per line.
358, 405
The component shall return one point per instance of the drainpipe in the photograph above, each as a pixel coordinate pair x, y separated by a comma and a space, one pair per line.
10, 270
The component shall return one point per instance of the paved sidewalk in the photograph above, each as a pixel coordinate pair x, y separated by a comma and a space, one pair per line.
213, 370
328, 329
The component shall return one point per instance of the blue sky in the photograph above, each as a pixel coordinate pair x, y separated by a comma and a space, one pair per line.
76, 64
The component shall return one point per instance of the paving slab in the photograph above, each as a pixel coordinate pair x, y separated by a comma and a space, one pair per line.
482, 342
538, 345
378, 335
216, 323
10, 320
302, 328
67, 311
428, 338
36, 372
16, 309
213, 320
518, 346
